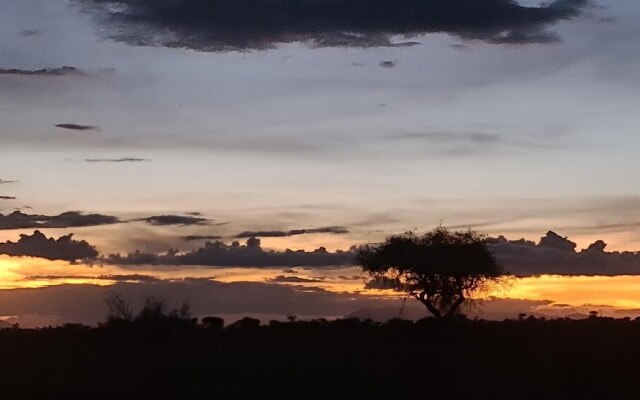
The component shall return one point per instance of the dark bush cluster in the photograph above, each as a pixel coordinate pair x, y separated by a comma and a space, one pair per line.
164, 354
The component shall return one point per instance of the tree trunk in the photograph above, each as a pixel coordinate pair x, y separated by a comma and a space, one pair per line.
454, 307
422, 297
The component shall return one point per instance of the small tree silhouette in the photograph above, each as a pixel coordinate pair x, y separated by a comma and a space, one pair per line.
215, 323
119, 308
441, 269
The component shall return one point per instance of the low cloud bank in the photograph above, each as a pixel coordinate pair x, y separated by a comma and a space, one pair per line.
69, 219
250, 254
557, 255
38, 245
552, 255
336, 230
61, 71
240, 25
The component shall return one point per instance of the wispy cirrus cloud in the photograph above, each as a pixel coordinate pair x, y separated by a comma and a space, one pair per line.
30, 32
115, 277
61, 71
218, 25
115, 160
78, 127
388, 64
193, 238
69, 219
337, 230
164, 220
293, 279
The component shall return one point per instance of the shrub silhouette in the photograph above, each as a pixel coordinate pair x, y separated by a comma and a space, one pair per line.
531, 358
212, 323
441, 269
119, 308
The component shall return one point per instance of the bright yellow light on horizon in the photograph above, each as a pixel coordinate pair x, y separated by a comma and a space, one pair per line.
615, 291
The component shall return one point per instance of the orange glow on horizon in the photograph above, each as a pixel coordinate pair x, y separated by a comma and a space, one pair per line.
621, 292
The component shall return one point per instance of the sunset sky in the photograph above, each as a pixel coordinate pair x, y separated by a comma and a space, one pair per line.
153, 125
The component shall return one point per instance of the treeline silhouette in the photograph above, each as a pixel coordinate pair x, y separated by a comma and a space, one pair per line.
163, 353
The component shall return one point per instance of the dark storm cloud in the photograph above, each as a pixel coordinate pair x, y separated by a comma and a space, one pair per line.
251, 254
219, 25
115, 160
70, 219
388, 64
61, 71
78, 127
162, 220
38, 245
7, 198
338, 230
193, 238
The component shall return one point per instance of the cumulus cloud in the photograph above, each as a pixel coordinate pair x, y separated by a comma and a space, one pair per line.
115, 160
78, 127
218, 25
556, 255
70, 219
162, 220
61, 71
338, 230
251, 254
553, 255
38, 245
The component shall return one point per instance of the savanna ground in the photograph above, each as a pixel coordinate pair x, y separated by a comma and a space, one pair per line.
175, 357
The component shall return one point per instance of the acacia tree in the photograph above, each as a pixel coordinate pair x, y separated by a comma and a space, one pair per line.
441, 269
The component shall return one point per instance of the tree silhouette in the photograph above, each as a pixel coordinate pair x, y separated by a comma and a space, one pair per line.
441, 269
119, 308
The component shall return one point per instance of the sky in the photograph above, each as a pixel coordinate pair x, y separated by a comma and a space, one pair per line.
153, 125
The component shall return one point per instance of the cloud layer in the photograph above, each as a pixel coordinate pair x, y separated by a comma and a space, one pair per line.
115, 160
163, 220
38, 245
556, 255
61, 71
251, 254
70, 219
338, 230
219, 25
78, 127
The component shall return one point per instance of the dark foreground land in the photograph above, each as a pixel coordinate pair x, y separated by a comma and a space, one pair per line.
173, 358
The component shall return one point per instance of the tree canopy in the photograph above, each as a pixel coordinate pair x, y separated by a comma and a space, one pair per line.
441, 269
